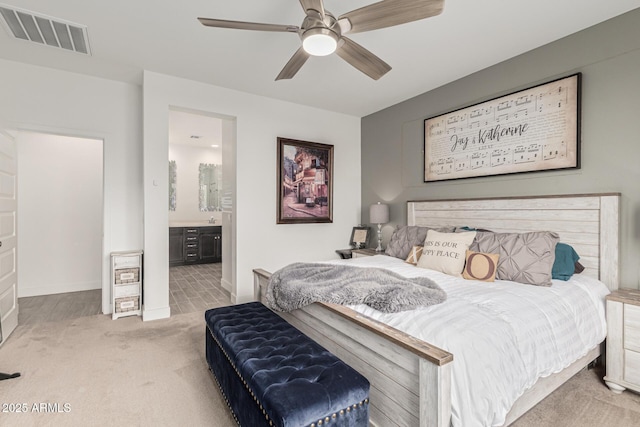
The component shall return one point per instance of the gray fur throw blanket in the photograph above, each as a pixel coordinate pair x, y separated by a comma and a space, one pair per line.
301, 284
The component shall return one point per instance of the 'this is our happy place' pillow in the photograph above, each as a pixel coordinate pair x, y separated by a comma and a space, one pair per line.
445, 252
406, 237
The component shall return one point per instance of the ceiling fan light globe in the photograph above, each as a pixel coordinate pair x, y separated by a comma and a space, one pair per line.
320, 43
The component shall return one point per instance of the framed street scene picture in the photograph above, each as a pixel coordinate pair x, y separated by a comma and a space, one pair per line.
305, 182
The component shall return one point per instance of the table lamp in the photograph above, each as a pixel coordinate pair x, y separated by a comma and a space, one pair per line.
379, 214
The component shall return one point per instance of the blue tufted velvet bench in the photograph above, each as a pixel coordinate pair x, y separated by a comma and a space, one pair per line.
271, 374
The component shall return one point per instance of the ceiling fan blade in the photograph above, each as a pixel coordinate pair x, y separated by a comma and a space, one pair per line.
316, 5
362, 59
293, 66
239, 25
388, 13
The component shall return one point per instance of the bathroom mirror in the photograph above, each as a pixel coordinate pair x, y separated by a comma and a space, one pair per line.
172, 185
210, 187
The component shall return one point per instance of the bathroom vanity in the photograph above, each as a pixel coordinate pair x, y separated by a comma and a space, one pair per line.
194, 244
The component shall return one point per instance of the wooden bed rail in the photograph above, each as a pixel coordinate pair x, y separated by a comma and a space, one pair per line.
420, 348
410, 379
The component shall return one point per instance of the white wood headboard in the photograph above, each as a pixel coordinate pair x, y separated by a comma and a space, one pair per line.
590, 223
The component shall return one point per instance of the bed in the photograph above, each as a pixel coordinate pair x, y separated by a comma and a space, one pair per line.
411, 379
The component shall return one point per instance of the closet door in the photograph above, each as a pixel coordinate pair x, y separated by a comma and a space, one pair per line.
8, 236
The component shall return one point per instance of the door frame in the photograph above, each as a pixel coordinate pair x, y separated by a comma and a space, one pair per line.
11, 317
106, 220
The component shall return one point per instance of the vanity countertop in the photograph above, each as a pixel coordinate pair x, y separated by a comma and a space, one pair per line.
193, 224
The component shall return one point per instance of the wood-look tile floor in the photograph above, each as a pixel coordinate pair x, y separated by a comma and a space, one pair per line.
191, 288
196, 288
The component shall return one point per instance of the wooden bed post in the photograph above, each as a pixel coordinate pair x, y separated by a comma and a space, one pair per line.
435, 394
610, 240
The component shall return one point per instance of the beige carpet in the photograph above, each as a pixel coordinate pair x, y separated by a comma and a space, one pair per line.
107, 372
102, 372
585, 401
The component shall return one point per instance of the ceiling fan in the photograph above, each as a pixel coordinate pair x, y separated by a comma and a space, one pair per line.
323, 34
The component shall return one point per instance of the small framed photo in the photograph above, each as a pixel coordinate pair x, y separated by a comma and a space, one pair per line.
360, 237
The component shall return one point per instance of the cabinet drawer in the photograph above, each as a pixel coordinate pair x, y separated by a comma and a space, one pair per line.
126, 290
126, 304
632, 327
632, 367
126, 275
126, 261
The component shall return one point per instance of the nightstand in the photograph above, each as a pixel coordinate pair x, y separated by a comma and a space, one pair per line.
623, 340
359, 253
344, 253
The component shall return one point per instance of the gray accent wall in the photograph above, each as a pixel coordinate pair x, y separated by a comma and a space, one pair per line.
607, 55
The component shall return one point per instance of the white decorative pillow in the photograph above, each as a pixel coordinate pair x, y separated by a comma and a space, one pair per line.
445, 252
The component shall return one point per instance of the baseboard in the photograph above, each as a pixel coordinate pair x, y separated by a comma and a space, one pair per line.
242, 299
59, 288
156, 313
226, 285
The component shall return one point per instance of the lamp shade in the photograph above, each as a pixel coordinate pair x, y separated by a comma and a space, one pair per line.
379, 213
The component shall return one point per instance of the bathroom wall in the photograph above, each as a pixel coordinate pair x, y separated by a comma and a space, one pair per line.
188, 159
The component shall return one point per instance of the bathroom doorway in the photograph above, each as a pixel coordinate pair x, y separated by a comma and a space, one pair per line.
197, 205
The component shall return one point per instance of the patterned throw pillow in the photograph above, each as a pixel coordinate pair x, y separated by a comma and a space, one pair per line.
480, 266
414, 255
524, 257
445, 252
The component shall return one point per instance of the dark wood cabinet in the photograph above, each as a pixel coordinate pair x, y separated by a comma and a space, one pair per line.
211, 246
195, 245
176, 246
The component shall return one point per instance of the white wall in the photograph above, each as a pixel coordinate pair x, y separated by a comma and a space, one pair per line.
260, 242
42, 99
59, 214
228, 200
46, 100
188, 159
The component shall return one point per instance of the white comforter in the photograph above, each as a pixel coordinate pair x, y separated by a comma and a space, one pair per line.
503, 335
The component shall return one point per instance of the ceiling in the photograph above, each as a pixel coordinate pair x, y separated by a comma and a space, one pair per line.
127, 37
195, 130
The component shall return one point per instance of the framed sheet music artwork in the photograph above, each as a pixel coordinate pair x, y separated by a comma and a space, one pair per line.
535, 129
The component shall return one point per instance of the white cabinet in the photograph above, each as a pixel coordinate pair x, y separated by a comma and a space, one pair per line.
126, 281
623, 340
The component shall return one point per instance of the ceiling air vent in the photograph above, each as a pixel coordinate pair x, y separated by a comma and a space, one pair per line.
45, 30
